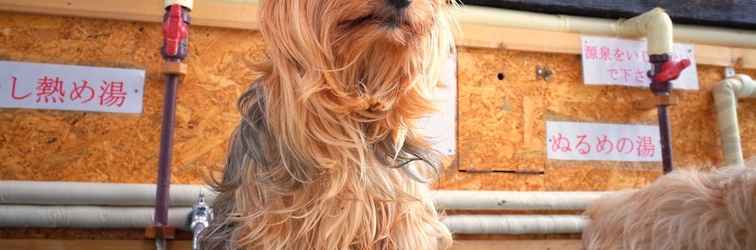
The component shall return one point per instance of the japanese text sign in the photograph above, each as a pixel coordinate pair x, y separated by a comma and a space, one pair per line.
613, 61
67, 87
602, 142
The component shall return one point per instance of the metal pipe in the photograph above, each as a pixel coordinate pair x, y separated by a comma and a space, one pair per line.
664, 134
201, 216
166, 147
662, 89
174, 50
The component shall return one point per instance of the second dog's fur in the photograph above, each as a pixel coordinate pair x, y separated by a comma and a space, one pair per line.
685, 210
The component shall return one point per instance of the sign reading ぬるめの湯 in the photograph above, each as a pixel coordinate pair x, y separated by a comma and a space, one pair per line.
68, 87
602, 142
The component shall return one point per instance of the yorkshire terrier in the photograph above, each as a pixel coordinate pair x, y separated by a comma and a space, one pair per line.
684, 210
325, 155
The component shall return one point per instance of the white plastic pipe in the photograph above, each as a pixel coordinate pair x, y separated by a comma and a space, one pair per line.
84, 193
26, 216
110, 194
91, 205
23, 216
726, 97
656, 26
502, 200
515, 224
186, 3
597, 26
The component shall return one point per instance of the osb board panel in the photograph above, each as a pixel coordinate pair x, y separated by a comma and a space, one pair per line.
77, 146
498, 119
746, 120
501, 123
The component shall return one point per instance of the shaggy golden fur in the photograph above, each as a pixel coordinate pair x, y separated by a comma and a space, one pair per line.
317, 160
685, 210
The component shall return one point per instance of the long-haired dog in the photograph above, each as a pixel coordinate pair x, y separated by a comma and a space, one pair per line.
325, 151
684, 210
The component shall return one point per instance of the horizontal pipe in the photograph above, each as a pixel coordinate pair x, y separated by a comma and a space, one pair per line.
31, 216
91, 217
598, 26
515, 224
85, 193
503, 200
109, 194
207, 15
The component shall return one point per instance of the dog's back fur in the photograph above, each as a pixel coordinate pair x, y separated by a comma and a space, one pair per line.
684, 210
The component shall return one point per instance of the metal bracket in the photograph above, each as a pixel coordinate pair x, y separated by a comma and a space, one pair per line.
544, 73
729, 72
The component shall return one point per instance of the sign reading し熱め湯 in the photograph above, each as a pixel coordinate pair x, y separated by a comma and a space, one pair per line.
613, 61
602, 142
67, 87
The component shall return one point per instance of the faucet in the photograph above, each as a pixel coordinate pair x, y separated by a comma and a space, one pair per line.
200, 218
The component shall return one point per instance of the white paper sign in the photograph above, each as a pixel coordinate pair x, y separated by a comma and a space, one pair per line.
602, 142
613, 61
440, 127
67, 87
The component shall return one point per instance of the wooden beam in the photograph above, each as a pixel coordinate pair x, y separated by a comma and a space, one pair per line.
47, 244
732, 13
518, 245
227, 14
474, 35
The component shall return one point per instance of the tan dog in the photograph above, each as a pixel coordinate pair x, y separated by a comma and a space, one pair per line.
317, 160
685, 210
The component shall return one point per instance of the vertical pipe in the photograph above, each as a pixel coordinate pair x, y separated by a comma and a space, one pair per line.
166, 147
726, 102
175, 43
662, 89
666, 144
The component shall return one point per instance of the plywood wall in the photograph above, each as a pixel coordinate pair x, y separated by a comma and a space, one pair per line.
77, 146
501, 122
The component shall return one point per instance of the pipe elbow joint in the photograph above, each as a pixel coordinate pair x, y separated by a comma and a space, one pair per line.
656, 25
739, 86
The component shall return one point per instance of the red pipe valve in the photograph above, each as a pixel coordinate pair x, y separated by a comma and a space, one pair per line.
666, 71
175, 33
671, 70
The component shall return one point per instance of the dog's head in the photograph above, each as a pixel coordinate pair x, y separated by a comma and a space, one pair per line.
359, 55
350, 73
